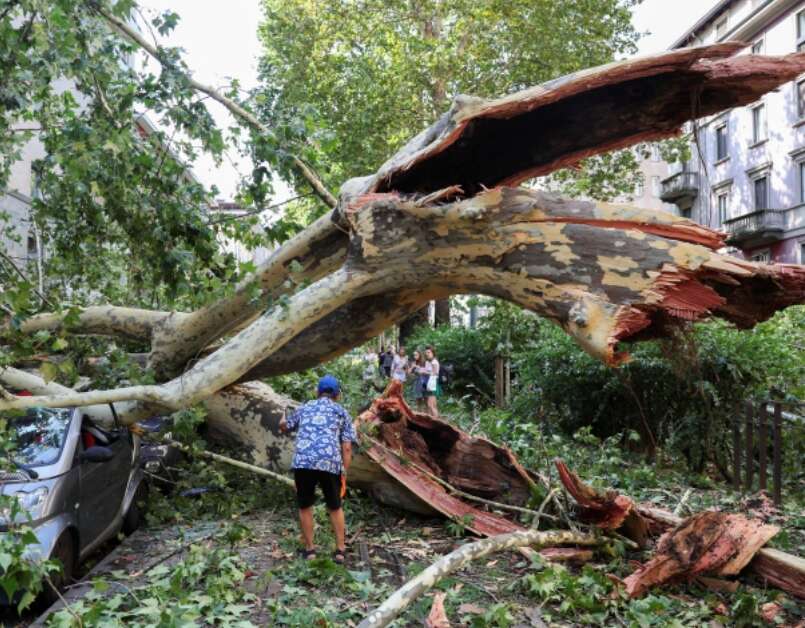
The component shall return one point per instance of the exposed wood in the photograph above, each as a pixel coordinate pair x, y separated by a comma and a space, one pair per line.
426, 579
706, 543
605, 509
405, 444
781, 569
437, 618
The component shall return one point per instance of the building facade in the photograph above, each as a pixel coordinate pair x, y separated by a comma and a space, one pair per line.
746, 175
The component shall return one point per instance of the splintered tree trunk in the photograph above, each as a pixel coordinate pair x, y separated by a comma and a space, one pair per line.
443, 217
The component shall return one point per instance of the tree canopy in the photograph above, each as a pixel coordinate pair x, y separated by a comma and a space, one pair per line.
352, 81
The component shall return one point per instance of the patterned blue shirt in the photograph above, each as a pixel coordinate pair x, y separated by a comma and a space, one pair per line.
323, 425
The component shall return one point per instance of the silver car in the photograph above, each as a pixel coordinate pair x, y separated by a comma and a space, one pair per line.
79, 484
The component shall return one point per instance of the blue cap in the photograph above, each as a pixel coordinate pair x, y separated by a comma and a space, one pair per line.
329, 384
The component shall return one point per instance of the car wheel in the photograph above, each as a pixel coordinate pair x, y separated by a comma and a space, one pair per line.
136, 512
64, 552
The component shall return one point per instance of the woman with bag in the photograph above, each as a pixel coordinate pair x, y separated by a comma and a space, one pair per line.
431, 369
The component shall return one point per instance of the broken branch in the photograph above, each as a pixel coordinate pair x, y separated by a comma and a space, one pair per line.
411, 590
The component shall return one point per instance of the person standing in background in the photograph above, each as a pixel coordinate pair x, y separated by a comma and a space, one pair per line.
369, 368
415, 369
388, 360
431, 369
399, 366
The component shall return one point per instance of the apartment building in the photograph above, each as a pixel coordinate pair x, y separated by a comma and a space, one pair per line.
746, 175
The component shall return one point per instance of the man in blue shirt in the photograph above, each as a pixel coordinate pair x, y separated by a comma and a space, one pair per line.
323, 454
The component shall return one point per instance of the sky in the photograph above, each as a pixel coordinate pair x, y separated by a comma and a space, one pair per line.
220, 40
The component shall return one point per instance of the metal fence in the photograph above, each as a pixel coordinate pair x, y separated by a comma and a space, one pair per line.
757, 443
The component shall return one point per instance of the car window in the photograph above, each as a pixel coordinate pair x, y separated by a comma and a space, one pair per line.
40, 435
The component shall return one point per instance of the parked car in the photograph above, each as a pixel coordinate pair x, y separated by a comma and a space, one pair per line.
79, 484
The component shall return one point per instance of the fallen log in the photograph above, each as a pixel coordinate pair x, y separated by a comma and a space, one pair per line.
384, 614
705, 552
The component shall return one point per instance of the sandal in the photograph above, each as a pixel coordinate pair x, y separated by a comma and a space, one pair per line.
339, 556
306, 553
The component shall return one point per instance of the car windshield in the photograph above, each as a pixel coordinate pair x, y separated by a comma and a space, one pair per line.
40, 435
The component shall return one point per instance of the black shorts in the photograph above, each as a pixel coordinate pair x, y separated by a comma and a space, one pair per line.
306, 481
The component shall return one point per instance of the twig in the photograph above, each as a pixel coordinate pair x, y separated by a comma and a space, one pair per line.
131, 34
75, 615
169, 555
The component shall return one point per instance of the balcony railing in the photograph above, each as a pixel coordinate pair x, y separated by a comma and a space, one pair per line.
756, 228
679, 186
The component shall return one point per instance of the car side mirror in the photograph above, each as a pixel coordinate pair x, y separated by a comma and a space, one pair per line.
97, 453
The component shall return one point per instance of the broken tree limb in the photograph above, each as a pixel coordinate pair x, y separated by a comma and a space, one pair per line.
708, 543
606, 509
410, 441
232, 462
411, 590
536, 514
718, 544
781, 569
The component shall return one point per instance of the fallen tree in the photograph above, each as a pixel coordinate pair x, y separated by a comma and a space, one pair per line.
439, 218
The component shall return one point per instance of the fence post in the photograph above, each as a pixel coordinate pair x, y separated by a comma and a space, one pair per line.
750, 457
500, 395
736, 448
778, 454
763, 417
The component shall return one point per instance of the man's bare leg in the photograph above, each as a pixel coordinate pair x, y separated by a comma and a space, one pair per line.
339, 528
306, 524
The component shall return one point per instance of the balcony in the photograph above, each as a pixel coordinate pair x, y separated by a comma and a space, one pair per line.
680, 188
756, 228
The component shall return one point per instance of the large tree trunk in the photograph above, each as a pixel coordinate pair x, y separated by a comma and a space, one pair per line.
440, 218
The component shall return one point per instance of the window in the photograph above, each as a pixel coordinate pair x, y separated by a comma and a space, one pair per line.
655, 186
757, 47
801, 172
802, 253
721, 142
758, 124
640, 188
800, 31
655, 153
764, 256
32, 248
722, 201
761, 192
721, 28
801, 98
685, 212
